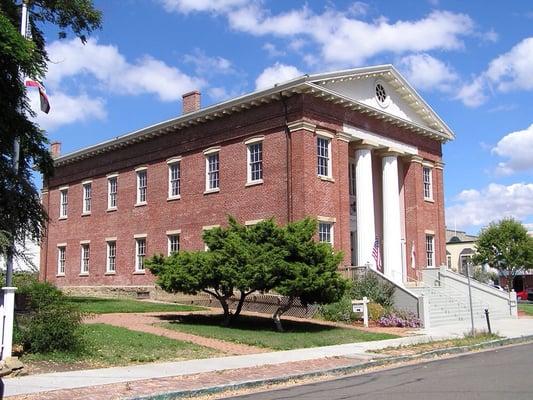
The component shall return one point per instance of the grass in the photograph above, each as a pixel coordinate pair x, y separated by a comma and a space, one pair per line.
95, 305
527, 308
260, 332
106, 345
467, 340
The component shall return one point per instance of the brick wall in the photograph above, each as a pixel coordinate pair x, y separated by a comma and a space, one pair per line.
310, 195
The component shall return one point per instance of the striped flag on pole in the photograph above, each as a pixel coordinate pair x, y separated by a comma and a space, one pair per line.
45, 103
376, 253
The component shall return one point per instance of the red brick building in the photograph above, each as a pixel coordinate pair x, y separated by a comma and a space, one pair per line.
359, 150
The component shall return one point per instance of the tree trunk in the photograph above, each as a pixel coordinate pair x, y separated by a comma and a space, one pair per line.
239, 305
223, 300
280, 311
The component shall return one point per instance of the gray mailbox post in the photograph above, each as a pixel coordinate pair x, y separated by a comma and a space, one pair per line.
361, 306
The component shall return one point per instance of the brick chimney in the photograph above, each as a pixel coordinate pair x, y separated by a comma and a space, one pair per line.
55, 149
191, 101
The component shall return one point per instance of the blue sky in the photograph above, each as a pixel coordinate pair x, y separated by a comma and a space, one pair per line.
471, 60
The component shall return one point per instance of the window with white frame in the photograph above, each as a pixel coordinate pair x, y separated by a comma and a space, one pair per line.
61, 259
174, 179
323, 150
111, 264
141, 186
63, 203
140, 254
255, 162
351, 173
325, 232
212, 171
87, 193
430, 250
173, 243
85, 255
428, 183
112, 186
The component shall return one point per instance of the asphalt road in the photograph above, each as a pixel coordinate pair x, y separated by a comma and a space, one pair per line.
496, 374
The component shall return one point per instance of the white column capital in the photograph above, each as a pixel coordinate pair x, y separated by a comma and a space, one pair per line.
301, 125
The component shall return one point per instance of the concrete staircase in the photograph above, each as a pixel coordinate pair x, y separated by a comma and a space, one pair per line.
446, 300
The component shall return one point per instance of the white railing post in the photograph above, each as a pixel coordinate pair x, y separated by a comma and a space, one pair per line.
9, 312
513, 304
424, 312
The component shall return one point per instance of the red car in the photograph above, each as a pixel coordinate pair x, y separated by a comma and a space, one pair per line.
522, 295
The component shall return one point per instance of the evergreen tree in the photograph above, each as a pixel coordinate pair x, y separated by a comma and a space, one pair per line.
21, 213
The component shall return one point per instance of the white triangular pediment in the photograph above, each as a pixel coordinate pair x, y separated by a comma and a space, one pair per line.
363, 90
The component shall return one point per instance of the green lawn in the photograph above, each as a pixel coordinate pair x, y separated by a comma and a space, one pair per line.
104, 306
106, 345
467, 340
527, 308
260, 332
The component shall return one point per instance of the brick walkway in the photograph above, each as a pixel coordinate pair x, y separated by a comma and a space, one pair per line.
146, 322
189, 382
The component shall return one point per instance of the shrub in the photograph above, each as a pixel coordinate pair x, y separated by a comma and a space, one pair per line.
375, 311
370, 286
400, 319
341, 311
52, 323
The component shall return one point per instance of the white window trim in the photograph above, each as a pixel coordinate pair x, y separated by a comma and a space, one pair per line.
430, 168
138, 187
83, 245
169, 235
208, 153
327, 137
249, 143
138, 270
62, 190
84, 199
432, 252
62, 246
253, 222
331, 223
109, 179
108, 271
171, 163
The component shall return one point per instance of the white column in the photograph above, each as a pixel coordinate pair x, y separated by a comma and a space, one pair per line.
364, 188
392, 250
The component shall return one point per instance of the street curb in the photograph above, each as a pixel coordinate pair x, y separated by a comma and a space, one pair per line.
339, 370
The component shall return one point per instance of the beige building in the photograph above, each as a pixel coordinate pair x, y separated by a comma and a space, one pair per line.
459, 250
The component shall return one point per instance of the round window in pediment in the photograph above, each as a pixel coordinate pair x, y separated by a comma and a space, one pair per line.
382, 97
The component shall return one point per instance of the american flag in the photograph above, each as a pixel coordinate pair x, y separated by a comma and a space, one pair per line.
45, 103
376, 253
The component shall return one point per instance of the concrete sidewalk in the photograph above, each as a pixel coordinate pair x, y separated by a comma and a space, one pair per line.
355, 351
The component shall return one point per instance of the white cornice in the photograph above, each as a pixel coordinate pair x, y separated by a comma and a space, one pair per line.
304, 84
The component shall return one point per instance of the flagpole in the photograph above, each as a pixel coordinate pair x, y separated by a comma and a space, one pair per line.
9, 290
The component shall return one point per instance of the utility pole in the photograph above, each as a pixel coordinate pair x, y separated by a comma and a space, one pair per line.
9, 291
468, 265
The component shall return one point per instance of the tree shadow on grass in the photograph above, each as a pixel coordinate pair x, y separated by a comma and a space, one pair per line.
247, 323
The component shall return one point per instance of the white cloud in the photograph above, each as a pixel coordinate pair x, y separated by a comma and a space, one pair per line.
509, 71
206, 65
112, 70
343, 39
480, 207
275, 74
473, 94
347, 41
272, 50
512, 70
67, 109
517, 147
187, 6
426, 72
